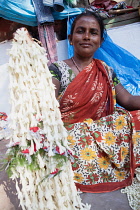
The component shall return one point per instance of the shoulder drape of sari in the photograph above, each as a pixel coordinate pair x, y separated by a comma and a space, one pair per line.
89, 95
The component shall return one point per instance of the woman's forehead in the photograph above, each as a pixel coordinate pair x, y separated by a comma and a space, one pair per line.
87, 21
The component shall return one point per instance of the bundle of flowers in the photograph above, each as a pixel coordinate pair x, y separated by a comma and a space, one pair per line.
38, 154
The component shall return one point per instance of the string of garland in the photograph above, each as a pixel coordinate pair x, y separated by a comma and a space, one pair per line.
38, 153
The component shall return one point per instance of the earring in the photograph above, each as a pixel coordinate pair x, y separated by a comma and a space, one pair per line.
70, 43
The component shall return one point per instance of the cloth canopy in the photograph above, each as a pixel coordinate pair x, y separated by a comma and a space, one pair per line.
18, 11
23, 11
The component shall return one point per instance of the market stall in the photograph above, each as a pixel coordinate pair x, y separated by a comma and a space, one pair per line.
119, 23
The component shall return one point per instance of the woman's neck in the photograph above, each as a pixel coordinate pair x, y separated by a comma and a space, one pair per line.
81, 63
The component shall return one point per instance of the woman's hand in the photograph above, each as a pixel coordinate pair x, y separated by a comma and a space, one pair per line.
125, 99
57, 86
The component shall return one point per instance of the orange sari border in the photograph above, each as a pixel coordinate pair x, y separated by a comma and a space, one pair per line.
104, 187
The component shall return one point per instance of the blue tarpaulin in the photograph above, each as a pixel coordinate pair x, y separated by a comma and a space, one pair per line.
126, 66
21, 11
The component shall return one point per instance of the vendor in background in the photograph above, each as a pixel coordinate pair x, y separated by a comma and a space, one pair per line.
105, 139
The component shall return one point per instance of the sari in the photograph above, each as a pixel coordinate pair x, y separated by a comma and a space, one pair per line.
105, 139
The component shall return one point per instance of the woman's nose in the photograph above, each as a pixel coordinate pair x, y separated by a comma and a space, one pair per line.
87, 35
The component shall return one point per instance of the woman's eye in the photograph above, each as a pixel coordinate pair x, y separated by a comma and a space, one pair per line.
94, 32
80, 31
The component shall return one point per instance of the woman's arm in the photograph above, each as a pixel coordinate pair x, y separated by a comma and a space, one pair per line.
56, 77
125, 99
57, 86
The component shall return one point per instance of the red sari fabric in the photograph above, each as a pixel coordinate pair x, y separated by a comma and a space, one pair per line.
90, 90
105, 140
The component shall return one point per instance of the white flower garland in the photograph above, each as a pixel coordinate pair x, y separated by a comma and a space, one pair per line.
133, 191
36, 125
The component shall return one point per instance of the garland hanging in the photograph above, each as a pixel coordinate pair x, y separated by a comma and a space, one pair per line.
38, 153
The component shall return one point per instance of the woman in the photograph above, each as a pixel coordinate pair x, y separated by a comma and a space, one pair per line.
105, 139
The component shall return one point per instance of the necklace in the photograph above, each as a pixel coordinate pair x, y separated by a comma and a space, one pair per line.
75, 64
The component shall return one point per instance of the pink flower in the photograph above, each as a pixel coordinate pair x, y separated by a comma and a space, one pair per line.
3, 116
58, 150
55, 172
26, 151
15, 144
35, 147
46, 149
34, 129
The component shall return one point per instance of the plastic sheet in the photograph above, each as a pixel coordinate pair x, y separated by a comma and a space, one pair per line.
67, 12
126, 66
21, 11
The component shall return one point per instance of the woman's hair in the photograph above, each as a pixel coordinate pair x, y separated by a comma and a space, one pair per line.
88, 13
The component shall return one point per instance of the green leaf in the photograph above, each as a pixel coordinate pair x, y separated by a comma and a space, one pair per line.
40, 124
59, 157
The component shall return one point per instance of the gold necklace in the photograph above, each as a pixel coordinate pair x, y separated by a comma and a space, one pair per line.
75, 64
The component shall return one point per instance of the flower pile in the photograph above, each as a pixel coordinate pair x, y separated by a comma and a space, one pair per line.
39, 154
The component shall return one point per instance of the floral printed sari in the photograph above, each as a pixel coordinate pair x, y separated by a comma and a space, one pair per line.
105, 139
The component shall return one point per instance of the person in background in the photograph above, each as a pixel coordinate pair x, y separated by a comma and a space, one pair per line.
105, 138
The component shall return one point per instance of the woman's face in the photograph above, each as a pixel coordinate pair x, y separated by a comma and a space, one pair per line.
86, 37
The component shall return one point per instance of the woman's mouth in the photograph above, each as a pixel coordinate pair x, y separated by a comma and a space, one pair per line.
85, 45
